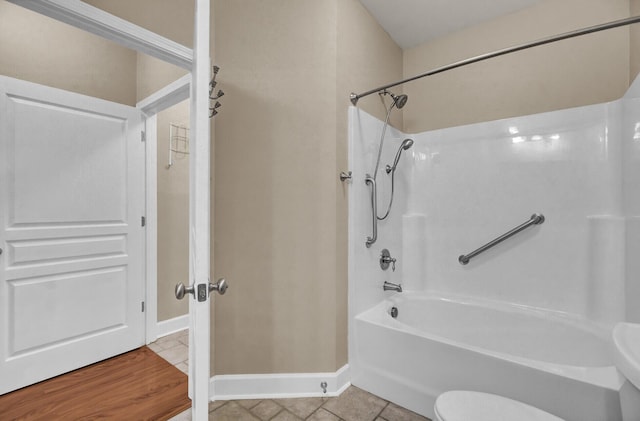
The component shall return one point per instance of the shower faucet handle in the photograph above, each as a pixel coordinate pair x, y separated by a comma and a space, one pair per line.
386, 259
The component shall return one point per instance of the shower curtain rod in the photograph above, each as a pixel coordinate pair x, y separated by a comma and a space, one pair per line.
597, 28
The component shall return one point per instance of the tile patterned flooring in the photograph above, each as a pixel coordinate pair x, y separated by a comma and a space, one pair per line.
354, 404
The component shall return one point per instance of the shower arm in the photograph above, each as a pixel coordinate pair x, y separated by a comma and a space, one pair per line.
609, 25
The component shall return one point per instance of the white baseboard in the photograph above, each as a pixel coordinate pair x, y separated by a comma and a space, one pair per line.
277, 386
167, 327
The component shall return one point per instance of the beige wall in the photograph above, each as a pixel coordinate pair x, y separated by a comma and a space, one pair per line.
173, 215
367, 57
585, 70
41, 50
275, 192
280, 224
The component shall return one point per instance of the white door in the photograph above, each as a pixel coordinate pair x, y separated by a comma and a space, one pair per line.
71, 201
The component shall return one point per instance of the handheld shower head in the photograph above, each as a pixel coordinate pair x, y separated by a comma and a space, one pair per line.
406, 144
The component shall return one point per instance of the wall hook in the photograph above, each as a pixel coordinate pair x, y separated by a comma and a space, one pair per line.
212, 110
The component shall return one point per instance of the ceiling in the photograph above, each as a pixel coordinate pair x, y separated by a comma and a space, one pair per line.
413, 22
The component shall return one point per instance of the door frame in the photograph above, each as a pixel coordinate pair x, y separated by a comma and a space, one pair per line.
166, 97
197, 61
96, 21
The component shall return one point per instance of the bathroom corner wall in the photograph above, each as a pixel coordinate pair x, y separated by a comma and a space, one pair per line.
585, 70
366, 57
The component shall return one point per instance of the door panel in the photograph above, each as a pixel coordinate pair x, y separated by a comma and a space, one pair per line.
73, 161
71, 202
99, 293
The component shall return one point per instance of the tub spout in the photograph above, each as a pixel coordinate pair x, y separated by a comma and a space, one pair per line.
388, 286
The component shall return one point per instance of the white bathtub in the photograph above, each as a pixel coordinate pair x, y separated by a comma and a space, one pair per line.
560, 364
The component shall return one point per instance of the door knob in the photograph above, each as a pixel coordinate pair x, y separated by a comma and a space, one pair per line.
220, 286
181, 290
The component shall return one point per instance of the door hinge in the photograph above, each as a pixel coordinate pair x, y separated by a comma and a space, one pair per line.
143, 221
143, 136
143, 306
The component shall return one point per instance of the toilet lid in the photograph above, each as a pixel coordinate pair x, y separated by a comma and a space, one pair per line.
461, 405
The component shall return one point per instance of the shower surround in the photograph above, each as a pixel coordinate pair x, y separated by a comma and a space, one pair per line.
458, 188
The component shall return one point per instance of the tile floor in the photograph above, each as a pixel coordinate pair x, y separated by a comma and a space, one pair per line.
174, 348
354, 404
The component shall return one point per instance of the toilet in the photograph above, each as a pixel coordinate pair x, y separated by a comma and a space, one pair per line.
463, 405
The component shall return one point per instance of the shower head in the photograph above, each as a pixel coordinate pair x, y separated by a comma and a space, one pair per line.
399, 100
406, 144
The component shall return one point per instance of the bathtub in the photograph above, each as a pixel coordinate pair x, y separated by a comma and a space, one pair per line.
555, 362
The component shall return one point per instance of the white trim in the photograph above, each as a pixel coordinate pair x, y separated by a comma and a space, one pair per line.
166, 97
167, 327
172, 94
151, 215
278, 386
98, 22
200, 217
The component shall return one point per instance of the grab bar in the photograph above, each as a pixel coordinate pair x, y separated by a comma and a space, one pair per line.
374, 209
536, 219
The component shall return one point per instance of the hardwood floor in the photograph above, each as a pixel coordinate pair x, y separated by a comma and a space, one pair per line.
138, 385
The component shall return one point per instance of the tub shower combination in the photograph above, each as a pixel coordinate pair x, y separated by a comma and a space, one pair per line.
528, 315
